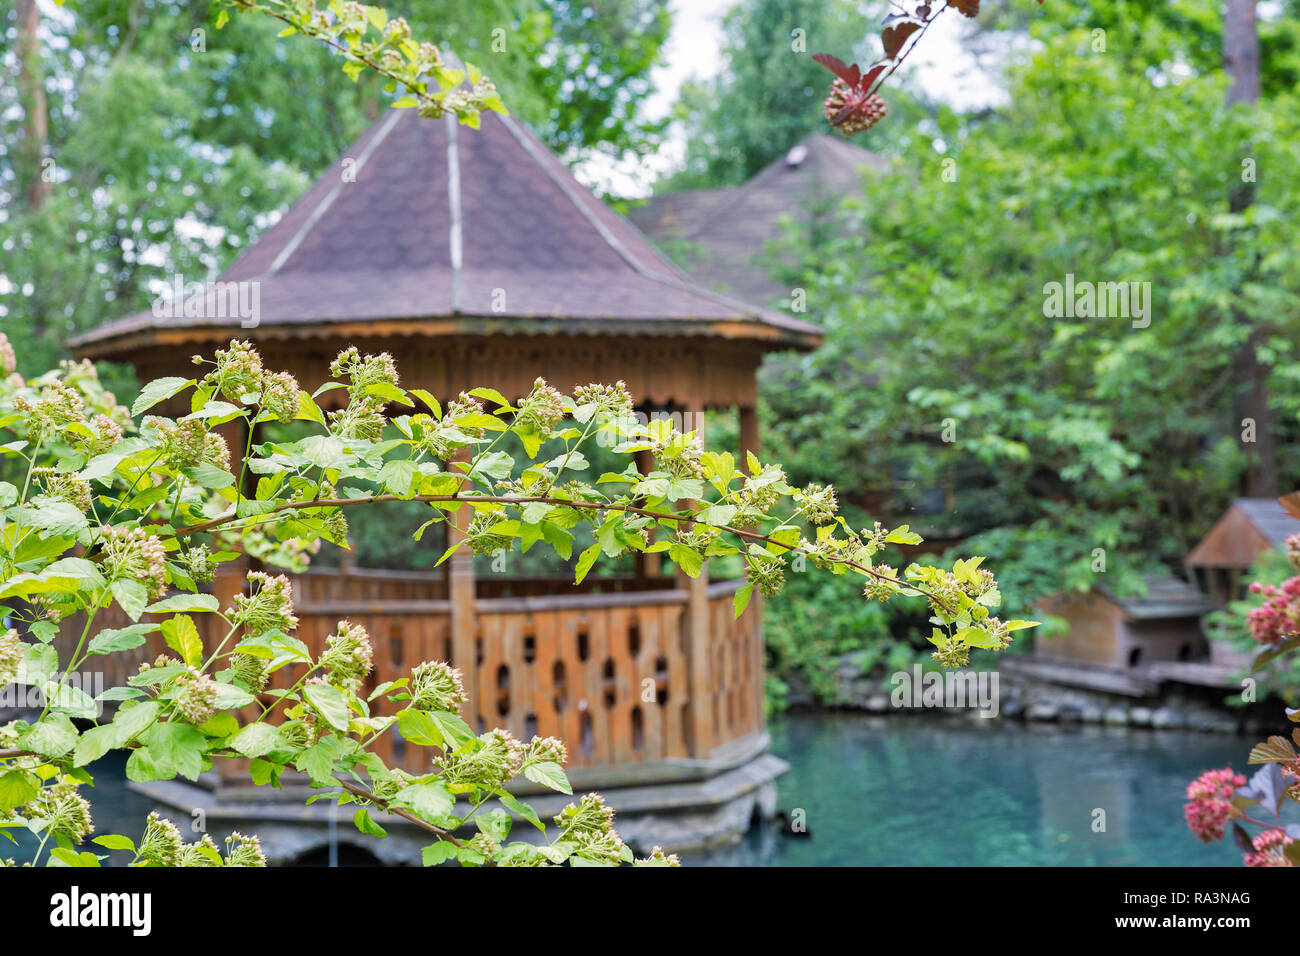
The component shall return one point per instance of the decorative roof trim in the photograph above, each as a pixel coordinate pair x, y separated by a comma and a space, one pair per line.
453, 200
292, 245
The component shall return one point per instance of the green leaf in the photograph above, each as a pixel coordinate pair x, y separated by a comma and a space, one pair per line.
521, 809
901, 535
182, 636
740, 600
439, 852
419, 728
428, 400
491, 394
114, 841
131, 596
132, 721
157, 391
177, 746
397, 476
585, 561
495, 824
331, 703
257, 740
70, 700
111, 640
317, 761
94, 743
16, 788
38, 664
210, 476
426, 800
688, 559
62, 856
451, 727
142, 768
366, 825
229, 697
390, 392
50, 738
56, 517
549, 774
184, 602
975, 637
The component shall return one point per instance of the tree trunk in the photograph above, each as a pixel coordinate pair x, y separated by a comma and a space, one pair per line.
31, 94
1241, 63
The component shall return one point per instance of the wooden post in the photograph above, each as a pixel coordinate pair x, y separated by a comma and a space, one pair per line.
647, 565
460, 590
703, 725
748, 432
749, 442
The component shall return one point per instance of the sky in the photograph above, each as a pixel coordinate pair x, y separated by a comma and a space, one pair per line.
694, 49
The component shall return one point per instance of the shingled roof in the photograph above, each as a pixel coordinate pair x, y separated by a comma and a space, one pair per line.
442, 221
1249, 527
1166, 597
724, 232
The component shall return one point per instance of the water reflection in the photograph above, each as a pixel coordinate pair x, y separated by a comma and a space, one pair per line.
889, 791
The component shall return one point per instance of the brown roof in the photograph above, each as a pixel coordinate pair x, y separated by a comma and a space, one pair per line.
444, 221
724, 232
1165, 597
1248, 528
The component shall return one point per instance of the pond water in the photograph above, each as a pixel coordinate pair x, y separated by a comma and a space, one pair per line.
917, 791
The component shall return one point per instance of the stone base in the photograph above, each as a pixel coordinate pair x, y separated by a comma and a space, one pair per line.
686, 815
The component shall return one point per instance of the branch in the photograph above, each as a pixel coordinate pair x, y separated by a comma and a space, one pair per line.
383, 804
559, 502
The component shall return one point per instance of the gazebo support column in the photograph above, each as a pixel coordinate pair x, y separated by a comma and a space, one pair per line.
748, 432
647, 565
697, 622
749, 442
460, 591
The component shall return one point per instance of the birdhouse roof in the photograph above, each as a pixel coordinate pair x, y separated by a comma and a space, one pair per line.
1249, 527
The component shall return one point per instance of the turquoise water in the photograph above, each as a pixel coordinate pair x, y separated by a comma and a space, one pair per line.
916, 791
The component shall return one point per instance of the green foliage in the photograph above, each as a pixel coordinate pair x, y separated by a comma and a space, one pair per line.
948, 387
817, 622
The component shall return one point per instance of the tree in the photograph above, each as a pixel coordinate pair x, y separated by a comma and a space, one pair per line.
1241, 63
1067, 441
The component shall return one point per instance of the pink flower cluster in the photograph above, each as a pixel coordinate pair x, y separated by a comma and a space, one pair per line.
1279, 616
1209, 802
1270, 849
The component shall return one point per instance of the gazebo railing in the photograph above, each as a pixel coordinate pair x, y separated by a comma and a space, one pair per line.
618, 676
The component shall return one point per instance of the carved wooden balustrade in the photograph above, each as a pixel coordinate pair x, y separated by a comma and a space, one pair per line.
613, 669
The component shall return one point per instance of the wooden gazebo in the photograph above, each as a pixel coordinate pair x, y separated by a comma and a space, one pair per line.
476, 258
